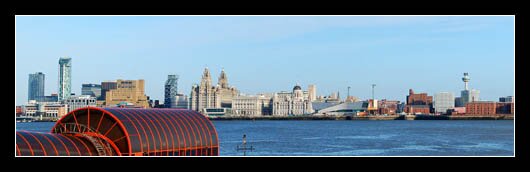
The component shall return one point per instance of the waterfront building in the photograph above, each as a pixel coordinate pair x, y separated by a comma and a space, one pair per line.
481, 108
130, 91
65, 77
317, 105
506, 99
207, 96
93, 90
504, 108
171, 91
458, 111
291, 103
418, 109
76, 102
389, 107
255, 105
443, 101
36, 86
44, 111
372, 106
345, 108
105, 87
489, 108
418, 103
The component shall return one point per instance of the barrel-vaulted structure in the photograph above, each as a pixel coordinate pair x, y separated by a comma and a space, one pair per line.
94, 131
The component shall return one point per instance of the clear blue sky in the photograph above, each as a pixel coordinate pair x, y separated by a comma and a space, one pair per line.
273, 53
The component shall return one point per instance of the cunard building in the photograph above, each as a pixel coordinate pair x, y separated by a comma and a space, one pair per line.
206, 96
297, 102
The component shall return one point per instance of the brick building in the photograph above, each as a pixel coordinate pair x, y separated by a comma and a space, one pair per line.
388, 107
489, 108
418, 103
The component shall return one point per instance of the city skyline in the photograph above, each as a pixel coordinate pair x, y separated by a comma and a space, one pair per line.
271, 54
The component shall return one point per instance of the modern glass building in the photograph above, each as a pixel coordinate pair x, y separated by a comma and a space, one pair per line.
36, 86
65, 77
170, 92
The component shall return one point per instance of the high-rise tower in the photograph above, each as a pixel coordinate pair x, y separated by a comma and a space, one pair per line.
466, 80
171, 90
65, 77
36, 86
467, 95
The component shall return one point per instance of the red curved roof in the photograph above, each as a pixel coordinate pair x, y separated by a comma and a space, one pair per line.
133, 131
48, 144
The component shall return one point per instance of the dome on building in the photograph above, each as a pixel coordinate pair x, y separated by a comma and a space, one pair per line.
297, 87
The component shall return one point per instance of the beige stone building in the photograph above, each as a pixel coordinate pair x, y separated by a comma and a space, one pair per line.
127, 91
45, 111
206, 95
312, 89
292, 103
252, 106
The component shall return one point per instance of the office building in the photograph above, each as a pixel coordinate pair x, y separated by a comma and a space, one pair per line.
105, 87
443, 101
127, 91
76, 102
253, 105
170, 91
36, 86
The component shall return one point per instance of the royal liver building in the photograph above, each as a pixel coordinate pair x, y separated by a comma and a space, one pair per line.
297, 102
207, 96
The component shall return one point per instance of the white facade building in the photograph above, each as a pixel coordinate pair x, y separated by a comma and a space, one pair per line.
294, 103
76, 102
443, 101
256, 105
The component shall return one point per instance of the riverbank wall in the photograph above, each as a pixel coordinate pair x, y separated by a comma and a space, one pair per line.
390, 117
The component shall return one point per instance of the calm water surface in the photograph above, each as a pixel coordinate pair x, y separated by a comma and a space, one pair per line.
359, 138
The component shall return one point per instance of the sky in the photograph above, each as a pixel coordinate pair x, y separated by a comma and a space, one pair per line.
265, 54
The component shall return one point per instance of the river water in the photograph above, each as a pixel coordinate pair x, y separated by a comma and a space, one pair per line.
359, 138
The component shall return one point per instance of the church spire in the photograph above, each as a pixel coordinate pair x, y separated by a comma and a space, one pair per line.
223, 80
